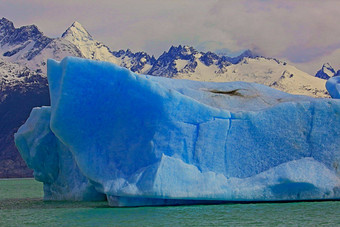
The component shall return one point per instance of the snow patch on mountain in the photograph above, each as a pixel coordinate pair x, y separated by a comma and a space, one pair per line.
14, 76
58, 48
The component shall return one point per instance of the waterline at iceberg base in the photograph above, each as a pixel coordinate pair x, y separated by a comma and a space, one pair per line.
142, 140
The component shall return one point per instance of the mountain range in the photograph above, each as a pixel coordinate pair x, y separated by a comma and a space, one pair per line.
23, 84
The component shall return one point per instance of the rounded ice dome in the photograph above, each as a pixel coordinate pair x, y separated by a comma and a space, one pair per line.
333, 87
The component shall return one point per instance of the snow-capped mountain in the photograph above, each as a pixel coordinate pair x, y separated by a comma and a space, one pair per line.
21, 44
139, 62
23, 84
185, 62
28, 46
326, 72
89, 47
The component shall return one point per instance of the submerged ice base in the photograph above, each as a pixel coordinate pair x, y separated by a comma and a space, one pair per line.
143, 140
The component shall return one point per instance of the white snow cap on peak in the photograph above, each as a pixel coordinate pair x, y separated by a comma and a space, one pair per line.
77, 24
77, 31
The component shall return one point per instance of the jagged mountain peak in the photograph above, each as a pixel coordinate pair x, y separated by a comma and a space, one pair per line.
245, 54
4, 22
21, 44
4, 19
178, 52
182, 50
126, 52
328, 66
6, 27
248, 53
76, 31
209, 57
87, 45
326, 72
30, 31
77, 25
11, 35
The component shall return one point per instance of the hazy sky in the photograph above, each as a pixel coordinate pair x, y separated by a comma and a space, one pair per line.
305, 33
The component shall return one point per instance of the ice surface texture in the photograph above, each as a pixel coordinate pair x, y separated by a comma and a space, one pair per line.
144, 140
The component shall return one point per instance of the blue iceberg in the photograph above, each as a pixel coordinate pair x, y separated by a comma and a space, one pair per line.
143, 140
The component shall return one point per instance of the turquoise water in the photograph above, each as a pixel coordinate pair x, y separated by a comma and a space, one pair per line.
21, 204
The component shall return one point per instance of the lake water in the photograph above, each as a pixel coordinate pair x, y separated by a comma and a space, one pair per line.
21, 204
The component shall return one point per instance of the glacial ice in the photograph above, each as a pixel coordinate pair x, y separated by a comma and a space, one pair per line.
52, 161
333, 87
144, 140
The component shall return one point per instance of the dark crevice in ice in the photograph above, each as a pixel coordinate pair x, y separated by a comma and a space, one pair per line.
311, 126
231, 93
195, 158
226, 148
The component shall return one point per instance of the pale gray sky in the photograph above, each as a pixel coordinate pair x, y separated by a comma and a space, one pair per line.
305, 32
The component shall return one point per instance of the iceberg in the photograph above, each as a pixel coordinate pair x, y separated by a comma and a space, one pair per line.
139, 140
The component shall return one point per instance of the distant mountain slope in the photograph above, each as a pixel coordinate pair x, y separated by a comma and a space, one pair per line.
17, 97
23, 84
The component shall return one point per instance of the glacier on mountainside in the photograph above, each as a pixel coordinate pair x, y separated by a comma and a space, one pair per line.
144, 140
